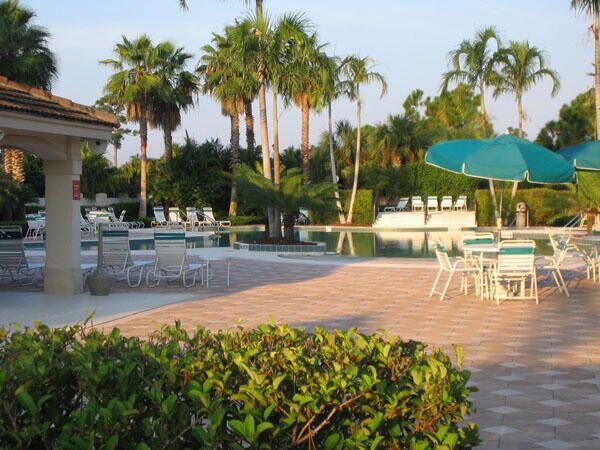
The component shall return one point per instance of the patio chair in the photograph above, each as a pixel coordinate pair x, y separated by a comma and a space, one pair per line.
116, 256
460, 203
35, 226
87, 229
120, 219
401, 206
552, 265
159, 217
302, 218
175, 216
13, 262
417, 203
171, 260
432, 203
447, 266
515, 265
207, 213
446, 203
192, 222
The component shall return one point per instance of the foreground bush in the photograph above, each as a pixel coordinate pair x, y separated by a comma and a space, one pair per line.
271, 387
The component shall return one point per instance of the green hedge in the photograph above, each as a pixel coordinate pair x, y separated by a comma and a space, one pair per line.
363, 208
546, 206
246, 220
270, 387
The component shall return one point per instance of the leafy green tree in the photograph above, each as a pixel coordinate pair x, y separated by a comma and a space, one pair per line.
95, 173
25, 58
133, 87
359, 71
591, 8
289, 196
575, 124
118, 134
472, 62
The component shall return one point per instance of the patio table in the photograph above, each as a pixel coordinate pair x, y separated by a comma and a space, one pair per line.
481, 249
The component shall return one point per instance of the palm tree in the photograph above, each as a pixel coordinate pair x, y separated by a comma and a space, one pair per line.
25, 58
472, 63
592, 9
359, 71
520, 67
133, 86
118, 134
225, 79
175, 92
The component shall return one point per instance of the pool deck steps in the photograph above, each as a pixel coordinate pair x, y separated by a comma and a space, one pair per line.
449, 220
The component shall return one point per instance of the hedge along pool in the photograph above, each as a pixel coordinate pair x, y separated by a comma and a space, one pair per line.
398, 244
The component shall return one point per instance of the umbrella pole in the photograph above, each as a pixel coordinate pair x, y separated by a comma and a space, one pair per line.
496, 212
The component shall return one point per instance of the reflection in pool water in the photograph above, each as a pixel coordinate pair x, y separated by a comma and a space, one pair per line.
406, 244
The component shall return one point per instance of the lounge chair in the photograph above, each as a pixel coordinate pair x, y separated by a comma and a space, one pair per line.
446, 203
120, 219
171, 261
432, 203
116, 256
13, 262
417, 204
207, 213
35, 226
192, 222
446, 266
515, 265
553, 263
159, 217
175, 216
302, 218
461, 203
401, 206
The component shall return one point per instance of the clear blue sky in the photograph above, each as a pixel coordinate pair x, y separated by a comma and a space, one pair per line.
409, 39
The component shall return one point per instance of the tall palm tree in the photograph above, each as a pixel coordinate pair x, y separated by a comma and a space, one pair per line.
133, 86
592, 9
25, 58
520, 67
359, 71
175, 92
225, 79
472, 63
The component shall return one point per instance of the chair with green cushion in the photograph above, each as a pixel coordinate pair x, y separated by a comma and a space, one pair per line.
514, 267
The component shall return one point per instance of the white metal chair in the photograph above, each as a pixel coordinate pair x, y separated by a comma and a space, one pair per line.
159, 217
447, 266
515, 265
121, 219
35, 226
13, 262
174, 216
208, 214
192, 222
446, 203
302, 219
461, 203
417, 203
552, 265
171, 261
401, 206
484, 264
432, 203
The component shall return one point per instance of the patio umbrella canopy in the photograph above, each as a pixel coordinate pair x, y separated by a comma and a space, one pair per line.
584, 156
504, 158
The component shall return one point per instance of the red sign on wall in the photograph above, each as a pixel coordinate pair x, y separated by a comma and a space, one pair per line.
76, 190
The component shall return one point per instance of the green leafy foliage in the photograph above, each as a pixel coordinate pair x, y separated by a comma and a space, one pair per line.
588, 189
363, 209
270, 387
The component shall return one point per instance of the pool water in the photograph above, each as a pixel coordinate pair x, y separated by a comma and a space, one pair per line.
405, 244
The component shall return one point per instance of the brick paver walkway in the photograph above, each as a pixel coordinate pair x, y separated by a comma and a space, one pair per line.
537, 367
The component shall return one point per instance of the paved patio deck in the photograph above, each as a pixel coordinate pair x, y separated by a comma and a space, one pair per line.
537, 367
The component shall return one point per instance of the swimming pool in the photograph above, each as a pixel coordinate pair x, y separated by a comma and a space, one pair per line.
405, 244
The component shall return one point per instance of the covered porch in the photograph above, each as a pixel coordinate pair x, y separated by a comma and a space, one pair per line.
53, 128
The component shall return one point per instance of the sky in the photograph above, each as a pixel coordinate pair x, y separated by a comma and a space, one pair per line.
409, 40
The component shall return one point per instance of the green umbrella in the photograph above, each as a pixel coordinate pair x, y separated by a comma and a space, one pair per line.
584, 156
504, 158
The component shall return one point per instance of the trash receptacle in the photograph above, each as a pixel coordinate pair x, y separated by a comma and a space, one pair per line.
521, 212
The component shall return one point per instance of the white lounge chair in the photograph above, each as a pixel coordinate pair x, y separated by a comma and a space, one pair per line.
121, 219
207, 213
446, 266
13, 262
417, 204
461, 203
159, 217
171, 261
175, 216
303, 217
192, 222
432, 203
401, 206
553, 263
446, 203
35, 226
514, 267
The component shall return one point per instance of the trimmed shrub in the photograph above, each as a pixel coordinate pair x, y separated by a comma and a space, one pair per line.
246, 220
269, 387
363, 208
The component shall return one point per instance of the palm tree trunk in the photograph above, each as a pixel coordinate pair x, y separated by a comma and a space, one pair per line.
168, 143
515, 186
18, 172
235, 156
143, 163
483, 111
115, 154
249, 119
334, 177
494, 200
597, 71
7, 159
264, 130
276, 164
288, 227
304, 150
356, 162
259, 8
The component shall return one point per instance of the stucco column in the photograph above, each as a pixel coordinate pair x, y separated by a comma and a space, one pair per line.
63, 235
